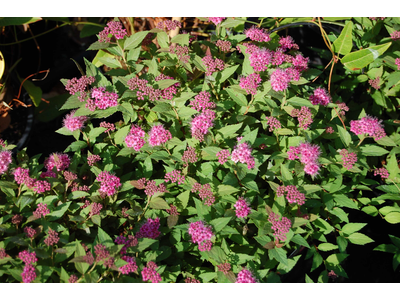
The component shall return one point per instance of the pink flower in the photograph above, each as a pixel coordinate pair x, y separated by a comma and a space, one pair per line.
158, 135
28, 274
75, 85
212, 65
41, 210
250, 83
349, 159
260, 59
73, 278
224, 268
375, 83
329, 130
304, 116
309, 155
224, 46
113, 28
130, 267
52, 238
57, 160
280, 227
300, 62
288, 43
397, 62
109, 126
201, 234
223, 156
201, 124
192, 280
242, 208
257, 34
149, 229
216, 20
175, 176
169, 24
135, 138
395, 35
320, 96
205, 193
368, 125
149, 273
108, 183
74, 123
169, 92
245, 276
144, 89
29, 232
5, 160
101, 252
280, 80
292, 194
17, 219
202, 102
3, 253
189, 156
173, 211
242, 153
27, 257
104, 99
273, 123
92, 159
21, 175
381, 171
181, 51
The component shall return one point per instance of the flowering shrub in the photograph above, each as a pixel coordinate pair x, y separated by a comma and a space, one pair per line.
230, 156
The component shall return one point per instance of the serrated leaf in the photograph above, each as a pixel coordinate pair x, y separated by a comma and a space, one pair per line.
280, 255
230, 131
298, 239
393, 217
58, 212
373, 150
327, 247
359, 239
76, 146
135, 40
220, 223
389, 248
226, 190
158, 203
352, 227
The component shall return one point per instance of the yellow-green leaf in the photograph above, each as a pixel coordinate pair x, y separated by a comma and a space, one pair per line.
361, 58
344, 43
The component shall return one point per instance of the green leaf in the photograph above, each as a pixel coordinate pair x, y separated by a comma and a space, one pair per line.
96, 219
359, 239
111, 62
325, 227
58, 212
344, 201
77, 195
25, 200
373, 150
226, 190
296, 101
35, 92
76, 146
389, 248
8, 184
230, 131
340, 213
344, 136
220, 223
344, 43
135, 40
162, 39
308, 279
298, 239
352, 227
386, 141
395, 240
158, 203
181, 39
361, 58
240, 99
145, 243
10, 21
217, 254
81, 267
279, 254
393, 217
104, 238
183, 199
226, 73
327, 247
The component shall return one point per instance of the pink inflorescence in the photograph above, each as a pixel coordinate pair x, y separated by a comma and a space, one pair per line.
41, 186
109, 126
59, 161
273, 123
73, 123
5, 161
216, 20
158, 135
173, 211
375, 83
17, 219
75, 85
381, 171
242, 153
29, 232
143, 89
245, 276
28, 274
242, 208
175, 176
191, 280
92, 159
108, 183
329, 130
395, 35
181, 51
280, 80
309, 155
41, 210
223, 156
130, 267
130, 241
149, 229
169, 92
149, 273
292, 194
189, 156
300, 63
260, 59
52, 238
73, 278
101, 252
348, 158
397, 62
250, 83
320, 96
169, 24
224, 46
201, 234
368, 125
135, 138
151, 187
205, 193
202, 102
27, 257
287, 43
257, 34
304, 116
104, 99
280, 227
115, 29
212, 65
201, 124
224, 268
21, 175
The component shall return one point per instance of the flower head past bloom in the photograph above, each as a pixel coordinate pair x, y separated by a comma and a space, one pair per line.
368, 125
149, 229
149, 273
257, 34
245, 276
320, 96
242, 152
52, 238
175, 176
395, 35
74, 123
201, 234
273, 123
158, 135
242, 208
5, 160
108, 183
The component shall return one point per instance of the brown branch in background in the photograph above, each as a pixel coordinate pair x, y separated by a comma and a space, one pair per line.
22, 83
37, 47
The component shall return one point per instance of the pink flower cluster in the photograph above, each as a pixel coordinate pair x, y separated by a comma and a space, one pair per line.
75, 85
281, 78
201, 234
304, 116
113, 28
29, 232
242, 153
224, 46
144, 89
3, 253
175, 176
74, 123
320, 96
149, 273
202, 102
292, 194
59, 161
257, 34
149, 229
216, 20
191, 280
5, 160
309, 155
397, 62
342, 108
348, 158
95, 208
150, 186
52, 238
375, 83
17, 219
169, 24
242, 208
381, 171
280, 227
245, 276
300, 63
135, 138
212, 65
181, 51
109, 126
108, 183
260, 59
329, 130
103, 99
201, 124
189, 156
250, 83
205, 193
28, 274
130, 267
41, 210
130, 241
223, 156
368, 125
224, 268
73, 278
92, 159
169, 92
395, 35
288, 43
101, 252
173, 211
158, 135
273, 123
